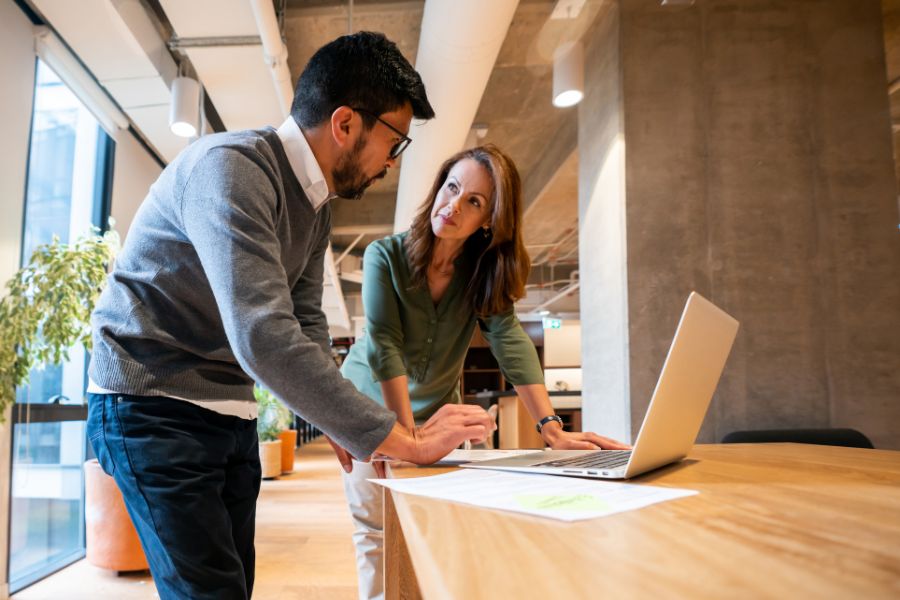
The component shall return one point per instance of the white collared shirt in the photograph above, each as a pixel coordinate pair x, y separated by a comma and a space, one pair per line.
304, 164
235, 408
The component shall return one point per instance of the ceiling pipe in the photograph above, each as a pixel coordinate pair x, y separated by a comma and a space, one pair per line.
274, 52
338, 314
349, 249
458, 47
379, 230
569, 289
894, 86
350, 18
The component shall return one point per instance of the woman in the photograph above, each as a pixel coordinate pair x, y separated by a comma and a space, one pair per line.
462, 262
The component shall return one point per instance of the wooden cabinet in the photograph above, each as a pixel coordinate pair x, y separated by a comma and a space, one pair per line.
481, 373
516, 428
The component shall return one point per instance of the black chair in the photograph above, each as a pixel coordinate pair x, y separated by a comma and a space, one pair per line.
824, 437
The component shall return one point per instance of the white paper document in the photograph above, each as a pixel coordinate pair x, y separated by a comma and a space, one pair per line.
458, 457
563, 498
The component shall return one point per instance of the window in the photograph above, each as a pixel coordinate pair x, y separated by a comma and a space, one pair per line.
67, 190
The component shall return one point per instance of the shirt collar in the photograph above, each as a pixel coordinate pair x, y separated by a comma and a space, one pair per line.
303, 163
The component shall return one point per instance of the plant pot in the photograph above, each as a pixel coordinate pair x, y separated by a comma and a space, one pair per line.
270, 458
288, 444
111, 539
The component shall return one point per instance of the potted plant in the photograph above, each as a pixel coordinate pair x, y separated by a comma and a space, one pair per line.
288, 439
48, 307
272, 419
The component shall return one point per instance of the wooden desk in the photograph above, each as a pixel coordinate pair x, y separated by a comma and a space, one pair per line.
771, 521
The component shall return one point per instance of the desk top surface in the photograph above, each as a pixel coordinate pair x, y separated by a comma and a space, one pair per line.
785, 520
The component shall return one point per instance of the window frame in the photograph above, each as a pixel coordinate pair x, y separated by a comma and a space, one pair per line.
24, 413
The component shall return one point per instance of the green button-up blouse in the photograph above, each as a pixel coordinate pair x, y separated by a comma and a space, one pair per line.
406, 334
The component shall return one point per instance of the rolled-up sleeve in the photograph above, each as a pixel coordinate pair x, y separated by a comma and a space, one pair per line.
384, 329
513, 349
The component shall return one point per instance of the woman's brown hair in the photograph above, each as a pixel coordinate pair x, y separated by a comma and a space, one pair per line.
497, 261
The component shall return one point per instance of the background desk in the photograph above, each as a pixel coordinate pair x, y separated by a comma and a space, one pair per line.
516, 427
771, 520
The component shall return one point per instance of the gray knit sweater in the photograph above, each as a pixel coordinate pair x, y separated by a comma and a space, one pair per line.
219, 284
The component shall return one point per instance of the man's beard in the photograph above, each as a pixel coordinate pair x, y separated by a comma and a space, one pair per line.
349, 179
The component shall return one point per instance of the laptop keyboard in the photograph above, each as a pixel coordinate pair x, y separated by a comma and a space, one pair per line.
606, 459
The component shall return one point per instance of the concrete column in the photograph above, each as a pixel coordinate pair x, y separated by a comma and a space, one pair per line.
602, 240
758, 170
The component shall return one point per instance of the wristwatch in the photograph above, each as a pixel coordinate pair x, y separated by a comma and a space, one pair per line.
546, 420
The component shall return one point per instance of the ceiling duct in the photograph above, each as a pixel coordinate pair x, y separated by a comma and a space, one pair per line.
274, 51
458, 47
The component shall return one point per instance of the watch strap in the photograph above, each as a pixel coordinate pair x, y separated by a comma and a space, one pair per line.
545, 420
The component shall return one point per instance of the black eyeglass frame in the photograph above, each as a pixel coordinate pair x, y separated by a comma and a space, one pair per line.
398, 148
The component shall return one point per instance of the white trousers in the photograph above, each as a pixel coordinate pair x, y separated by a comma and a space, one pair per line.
366, 502
366, 507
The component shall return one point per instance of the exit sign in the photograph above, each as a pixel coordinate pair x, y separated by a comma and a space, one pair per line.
552, 323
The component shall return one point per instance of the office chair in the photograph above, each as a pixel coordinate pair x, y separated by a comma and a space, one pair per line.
825, 437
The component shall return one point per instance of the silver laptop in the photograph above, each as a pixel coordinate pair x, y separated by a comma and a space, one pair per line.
686, 384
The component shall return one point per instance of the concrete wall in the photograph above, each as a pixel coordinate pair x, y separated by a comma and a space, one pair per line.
17, 72
760, 173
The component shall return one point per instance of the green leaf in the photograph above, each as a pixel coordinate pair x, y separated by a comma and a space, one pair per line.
48, 306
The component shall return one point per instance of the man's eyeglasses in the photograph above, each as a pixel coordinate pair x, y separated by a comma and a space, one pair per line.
398, 148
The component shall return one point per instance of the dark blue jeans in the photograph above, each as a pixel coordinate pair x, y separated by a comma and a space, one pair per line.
190, 478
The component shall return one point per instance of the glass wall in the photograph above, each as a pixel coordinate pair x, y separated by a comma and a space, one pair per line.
65, 194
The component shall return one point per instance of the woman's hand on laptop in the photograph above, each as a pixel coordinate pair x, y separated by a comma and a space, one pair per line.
557, 439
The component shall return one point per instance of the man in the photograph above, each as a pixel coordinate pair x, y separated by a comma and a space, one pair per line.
219, 284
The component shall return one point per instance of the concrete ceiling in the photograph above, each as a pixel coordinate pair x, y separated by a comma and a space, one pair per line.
515, 106
516, 109
123, 44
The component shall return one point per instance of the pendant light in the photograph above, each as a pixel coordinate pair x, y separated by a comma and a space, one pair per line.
568, 74
184, 113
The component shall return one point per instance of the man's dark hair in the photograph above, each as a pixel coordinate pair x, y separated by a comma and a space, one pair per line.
363, 70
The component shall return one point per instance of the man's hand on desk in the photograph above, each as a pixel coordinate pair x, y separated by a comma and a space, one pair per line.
447, 428
558, 439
